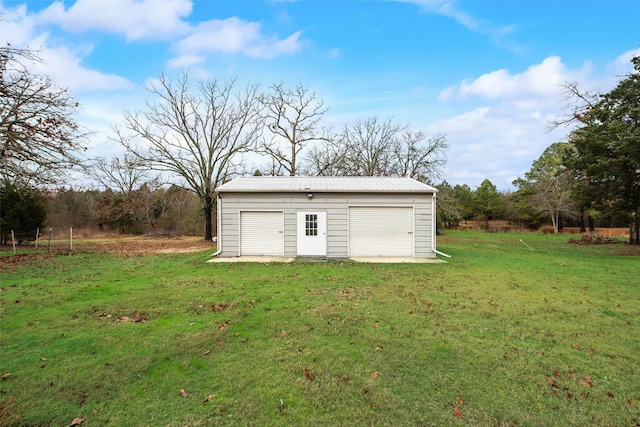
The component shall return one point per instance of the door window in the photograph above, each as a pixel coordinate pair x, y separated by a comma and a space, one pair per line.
311, 224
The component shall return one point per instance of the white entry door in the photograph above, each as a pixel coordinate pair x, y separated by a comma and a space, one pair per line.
312, 233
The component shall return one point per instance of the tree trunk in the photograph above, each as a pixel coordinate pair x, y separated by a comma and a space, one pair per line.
208, 227
293, 160
581, 221
554, 221
634, 229
208, 204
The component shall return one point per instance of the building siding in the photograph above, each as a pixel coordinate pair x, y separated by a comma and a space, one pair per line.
335, 204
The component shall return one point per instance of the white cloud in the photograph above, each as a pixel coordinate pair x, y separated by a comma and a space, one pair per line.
622, 64
64, 67
540, 80
502, 124
493, 142
230, 36
134, 19
449, 8
186, 61
17, 28
508, 130
62, 63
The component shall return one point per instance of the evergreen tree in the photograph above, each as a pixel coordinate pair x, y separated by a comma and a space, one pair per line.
487, 200
607, 156
464, 199
22, 211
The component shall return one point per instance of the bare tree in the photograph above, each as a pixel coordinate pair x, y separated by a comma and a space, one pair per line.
293, 116
549, 183
578, 102
328, 159
154, 201
273, 168
419, 158
196, 136
372, 147
124, 174
180, 206
39, 135
69, 207
447, 205
552, 195
369, 146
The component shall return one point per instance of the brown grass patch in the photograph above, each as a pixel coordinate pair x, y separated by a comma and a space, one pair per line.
609, 232
117, 245
142, 245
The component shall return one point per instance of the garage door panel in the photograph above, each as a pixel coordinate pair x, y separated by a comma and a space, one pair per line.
261, 233
380, 231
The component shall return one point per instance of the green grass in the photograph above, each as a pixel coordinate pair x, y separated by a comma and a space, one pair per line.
504, 333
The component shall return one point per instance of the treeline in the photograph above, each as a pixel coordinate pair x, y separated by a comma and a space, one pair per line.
196, 135
519, 209
156, 211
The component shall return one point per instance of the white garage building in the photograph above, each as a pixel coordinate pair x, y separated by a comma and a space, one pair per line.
326, 217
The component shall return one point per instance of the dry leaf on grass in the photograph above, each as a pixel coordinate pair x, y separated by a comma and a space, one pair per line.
586, 381
456, 412
308, 375
77, 421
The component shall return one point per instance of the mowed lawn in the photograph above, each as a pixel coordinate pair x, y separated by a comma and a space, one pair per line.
515, 329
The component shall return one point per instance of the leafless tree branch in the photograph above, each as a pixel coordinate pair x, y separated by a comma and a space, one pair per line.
196, 135
39, 136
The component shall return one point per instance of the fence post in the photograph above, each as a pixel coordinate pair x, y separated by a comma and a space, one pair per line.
13, 242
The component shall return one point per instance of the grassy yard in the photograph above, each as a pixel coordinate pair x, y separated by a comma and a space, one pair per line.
515, 329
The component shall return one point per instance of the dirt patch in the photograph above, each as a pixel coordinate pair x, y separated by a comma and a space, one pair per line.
145, 245
123, 246
9, 262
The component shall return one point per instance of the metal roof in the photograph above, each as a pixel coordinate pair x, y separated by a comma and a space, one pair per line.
338, 184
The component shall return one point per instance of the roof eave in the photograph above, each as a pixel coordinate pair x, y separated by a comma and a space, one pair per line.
311, 190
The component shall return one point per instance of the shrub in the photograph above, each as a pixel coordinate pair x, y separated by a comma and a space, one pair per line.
22, 210
595, 239
547, 229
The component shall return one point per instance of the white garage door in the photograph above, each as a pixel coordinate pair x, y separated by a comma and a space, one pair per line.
380, 231
262, 233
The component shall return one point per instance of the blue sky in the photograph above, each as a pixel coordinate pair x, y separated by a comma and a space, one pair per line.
488, 74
